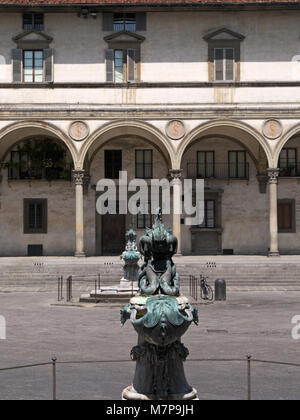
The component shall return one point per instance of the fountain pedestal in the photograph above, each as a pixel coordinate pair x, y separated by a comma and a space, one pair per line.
160, 316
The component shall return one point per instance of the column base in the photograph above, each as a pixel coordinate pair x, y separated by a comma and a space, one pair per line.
80, 254
273, 254
178, 255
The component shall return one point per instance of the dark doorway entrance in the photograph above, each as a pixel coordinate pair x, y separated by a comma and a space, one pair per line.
113, 234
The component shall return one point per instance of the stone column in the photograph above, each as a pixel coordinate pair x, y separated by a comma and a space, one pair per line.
175, 175
79, 182
273, 182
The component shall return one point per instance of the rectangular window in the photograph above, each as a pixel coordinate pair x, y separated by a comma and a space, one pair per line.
33, 21
224, 64
33, 66
124, 22
118, 66
113, 163
143, 164
122, 65
205, 164
288, 162
144, 220
35, 215
209, 214
286, 216
237, 165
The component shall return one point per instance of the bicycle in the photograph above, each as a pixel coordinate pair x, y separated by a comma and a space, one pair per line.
206, 290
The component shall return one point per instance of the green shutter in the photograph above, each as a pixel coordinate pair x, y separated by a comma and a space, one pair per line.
107, 22
17, 58
109, 59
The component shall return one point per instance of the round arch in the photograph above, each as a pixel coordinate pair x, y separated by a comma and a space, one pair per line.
226, 128
28, 128
284, 139
120, 128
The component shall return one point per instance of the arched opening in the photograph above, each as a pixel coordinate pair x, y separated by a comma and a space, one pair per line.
287, 156
38, 201
38, 157
232, 164
142, 156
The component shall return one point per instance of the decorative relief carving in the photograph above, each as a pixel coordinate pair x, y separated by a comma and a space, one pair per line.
78, 130
175, 129
272, 129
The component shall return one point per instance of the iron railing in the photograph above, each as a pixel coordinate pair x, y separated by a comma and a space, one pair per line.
95, 279
217, 171
248, 359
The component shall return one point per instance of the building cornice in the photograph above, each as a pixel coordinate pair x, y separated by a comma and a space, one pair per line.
142, 6
150, 112
148, 85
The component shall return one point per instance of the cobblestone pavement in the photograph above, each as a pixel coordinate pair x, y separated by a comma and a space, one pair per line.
248, 323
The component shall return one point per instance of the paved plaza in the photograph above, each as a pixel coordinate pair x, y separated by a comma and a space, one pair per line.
256, 323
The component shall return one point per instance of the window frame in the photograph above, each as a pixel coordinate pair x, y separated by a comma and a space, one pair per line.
292, 204
106, 163
287, 165
26, 225
237, 164
34, 25
224, 71
143, 163
144, 217
232, 43
123, 24
24, 51
204, 225
205, 163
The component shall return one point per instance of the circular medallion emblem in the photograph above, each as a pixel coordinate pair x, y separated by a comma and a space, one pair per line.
78, 130
175, 129
272, 129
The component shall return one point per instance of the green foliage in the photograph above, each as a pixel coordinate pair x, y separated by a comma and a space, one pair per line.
42, 158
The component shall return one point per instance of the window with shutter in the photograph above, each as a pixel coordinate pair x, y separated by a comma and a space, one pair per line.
224, 52
33, 66
122, 65
224, 64
35, 215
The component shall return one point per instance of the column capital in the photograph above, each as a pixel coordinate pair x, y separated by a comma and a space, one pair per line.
273, 174
175, 173
78, 176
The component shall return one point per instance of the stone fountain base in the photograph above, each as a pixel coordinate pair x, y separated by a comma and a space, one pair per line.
111, 294
130, 393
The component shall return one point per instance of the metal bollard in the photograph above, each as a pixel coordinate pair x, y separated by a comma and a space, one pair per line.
220, 289
54, 378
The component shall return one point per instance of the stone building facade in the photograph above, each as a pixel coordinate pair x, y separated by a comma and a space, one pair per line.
193, 90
